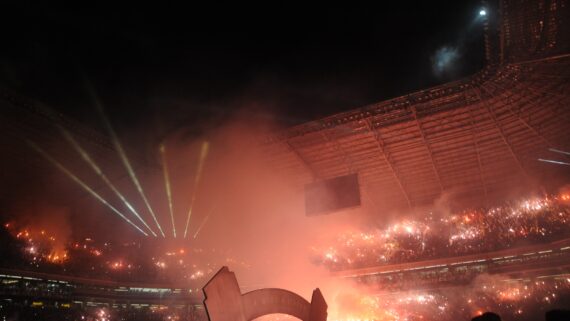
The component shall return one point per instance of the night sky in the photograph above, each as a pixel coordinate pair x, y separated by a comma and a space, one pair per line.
176, 66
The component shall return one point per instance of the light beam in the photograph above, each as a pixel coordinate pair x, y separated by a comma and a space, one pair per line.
203, 223
167, 186
82, 184
99, 172
554, 162
123, 155
203, 154
558, 151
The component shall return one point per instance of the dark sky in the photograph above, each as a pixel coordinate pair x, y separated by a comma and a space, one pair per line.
160, 68
179, 65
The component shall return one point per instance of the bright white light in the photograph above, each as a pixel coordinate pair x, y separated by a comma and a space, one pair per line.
482, 12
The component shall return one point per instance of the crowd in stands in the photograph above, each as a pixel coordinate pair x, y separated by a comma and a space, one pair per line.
17, 312
437, 236
21, 312
129, 262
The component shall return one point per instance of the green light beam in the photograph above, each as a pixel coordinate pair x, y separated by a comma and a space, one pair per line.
167, 186
99, 172
123, 156
82, 184
203, 223
203, 154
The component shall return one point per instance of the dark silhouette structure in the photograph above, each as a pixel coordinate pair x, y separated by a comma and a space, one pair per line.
557, 315
224, 301
478, 139
487, 316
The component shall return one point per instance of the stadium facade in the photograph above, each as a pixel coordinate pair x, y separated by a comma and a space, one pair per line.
478, 139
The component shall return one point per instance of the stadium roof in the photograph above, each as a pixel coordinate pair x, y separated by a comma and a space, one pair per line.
478, 138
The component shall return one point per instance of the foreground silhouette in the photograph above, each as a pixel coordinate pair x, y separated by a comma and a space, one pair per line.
552, 315
225, 302
487, 316
557, 315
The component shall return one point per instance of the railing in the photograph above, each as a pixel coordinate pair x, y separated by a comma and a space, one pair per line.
563, 245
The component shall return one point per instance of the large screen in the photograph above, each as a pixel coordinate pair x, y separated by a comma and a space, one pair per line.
330, 195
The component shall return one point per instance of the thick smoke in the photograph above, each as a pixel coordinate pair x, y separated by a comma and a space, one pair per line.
244, 209
43, 218
444, 61
255, 213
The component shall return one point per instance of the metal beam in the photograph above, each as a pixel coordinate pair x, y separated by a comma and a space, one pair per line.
428, 147
475, 133
531, 86
349, 168
557, 105
502, 133
532, 61
385, 108
507, 104
302, 159
381, 146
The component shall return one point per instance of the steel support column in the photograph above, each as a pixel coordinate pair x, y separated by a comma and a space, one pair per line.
477, 151
503, 135
381, 147
304, 162
507, 104
428, 147
349, 168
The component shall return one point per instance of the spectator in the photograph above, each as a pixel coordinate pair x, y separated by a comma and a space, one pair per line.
487, 316
557, 315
